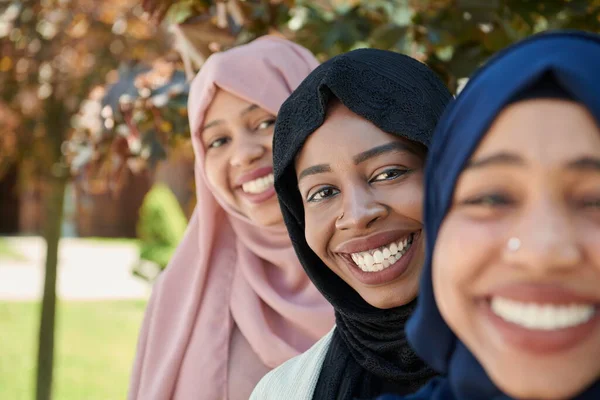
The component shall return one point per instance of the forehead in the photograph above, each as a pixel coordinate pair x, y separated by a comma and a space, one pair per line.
342, 136
545, 130
223, 105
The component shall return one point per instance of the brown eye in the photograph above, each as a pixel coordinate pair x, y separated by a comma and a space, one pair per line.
322, 194
591, 203
490, 200
266, 124
217, 143
389, 174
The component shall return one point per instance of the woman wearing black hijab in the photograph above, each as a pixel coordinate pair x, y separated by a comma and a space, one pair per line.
509, 302
349, 150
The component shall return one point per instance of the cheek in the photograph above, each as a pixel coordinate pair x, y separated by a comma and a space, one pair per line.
317, 231
216, 174
447, 268
407, 200
590, 238
462, 252
267, 141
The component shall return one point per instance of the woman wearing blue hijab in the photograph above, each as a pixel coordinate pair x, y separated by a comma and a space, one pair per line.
509, 303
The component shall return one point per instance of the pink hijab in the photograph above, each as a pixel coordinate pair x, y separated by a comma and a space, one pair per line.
228, 271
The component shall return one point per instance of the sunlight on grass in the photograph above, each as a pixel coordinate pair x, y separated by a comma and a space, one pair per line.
96, 343
111, 241
9, 252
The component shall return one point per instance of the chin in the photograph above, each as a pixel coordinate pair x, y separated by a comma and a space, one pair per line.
267, 217
544, 388
386, 298
545, 392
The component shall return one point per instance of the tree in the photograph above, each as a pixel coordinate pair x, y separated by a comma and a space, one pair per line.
53, 53
453, 36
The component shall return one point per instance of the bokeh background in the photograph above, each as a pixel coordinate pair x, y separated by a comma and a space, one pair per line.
96, 165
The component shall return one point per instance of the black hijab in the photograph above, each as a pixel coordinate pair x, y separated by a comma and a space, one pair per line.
561, 65
369, 353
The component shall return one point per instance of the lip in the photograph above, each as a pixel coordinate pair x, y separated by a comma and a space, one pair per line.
257, 198
541, 293
371, 242
387, 275
252, 175
540, 342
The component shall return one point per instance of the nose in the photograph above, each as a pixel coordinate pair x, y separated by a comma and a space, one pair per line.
246, 150
548, 241
360, 210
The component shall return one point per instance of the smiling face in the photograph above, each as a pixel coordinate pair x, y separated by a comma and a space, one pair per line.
237, 137
363, 206
516, 267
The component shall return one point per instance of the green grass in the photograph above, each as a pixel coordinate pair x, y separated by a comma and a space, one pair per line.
117, 241
95, 345
7, 251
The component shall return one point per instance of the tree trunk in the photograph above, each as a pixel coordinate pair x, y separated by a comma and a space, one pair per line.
56, 127
54, 215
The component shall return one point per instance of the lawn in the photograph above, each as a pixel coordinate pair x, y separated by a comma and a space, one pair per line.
112, 241
95, 348
7, 251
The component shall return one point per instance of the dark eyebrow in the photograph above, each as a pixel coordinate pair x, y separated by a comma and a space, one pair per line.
379, 150
245, 111
315, 169
361, 157
248, 109
588, 163
502, 158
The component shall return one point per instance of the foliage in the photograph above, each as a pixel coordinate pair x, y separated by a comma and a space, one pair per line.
452, 36
458, 38
96, 343
135, 121
161, 226
130, 124
55, 52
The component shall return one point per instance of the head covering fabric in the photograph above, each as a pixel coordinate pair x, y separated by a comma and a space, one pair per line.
227, 270
544, 88
572, 60
403, 97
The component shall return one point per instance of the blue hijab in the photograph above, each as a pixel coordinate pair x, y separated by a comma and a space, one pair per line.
572, 59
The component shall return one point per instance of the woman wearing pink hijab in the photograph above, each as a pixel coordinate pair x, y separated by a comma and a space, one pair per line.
234, 301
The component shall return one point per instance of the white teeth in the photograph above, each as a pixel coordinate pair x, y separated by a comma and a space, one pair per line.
542, 316
386, 253
379, 259
368, 261
378, 256
259, 185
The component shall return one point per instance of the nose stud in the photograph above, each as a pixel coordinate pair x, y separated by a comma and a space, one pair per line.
340, 217
513, 244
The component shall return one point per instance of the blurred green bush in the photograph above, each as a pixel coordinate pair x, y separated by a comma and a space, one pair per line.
160, 228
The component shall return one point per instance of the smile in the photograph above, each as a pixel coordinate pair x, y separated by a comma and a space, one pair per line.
545, 317
383, 257
259, 185
541, 318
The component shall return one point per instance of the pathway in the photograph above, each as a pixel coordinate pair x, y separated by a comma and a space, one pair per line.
88, 270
